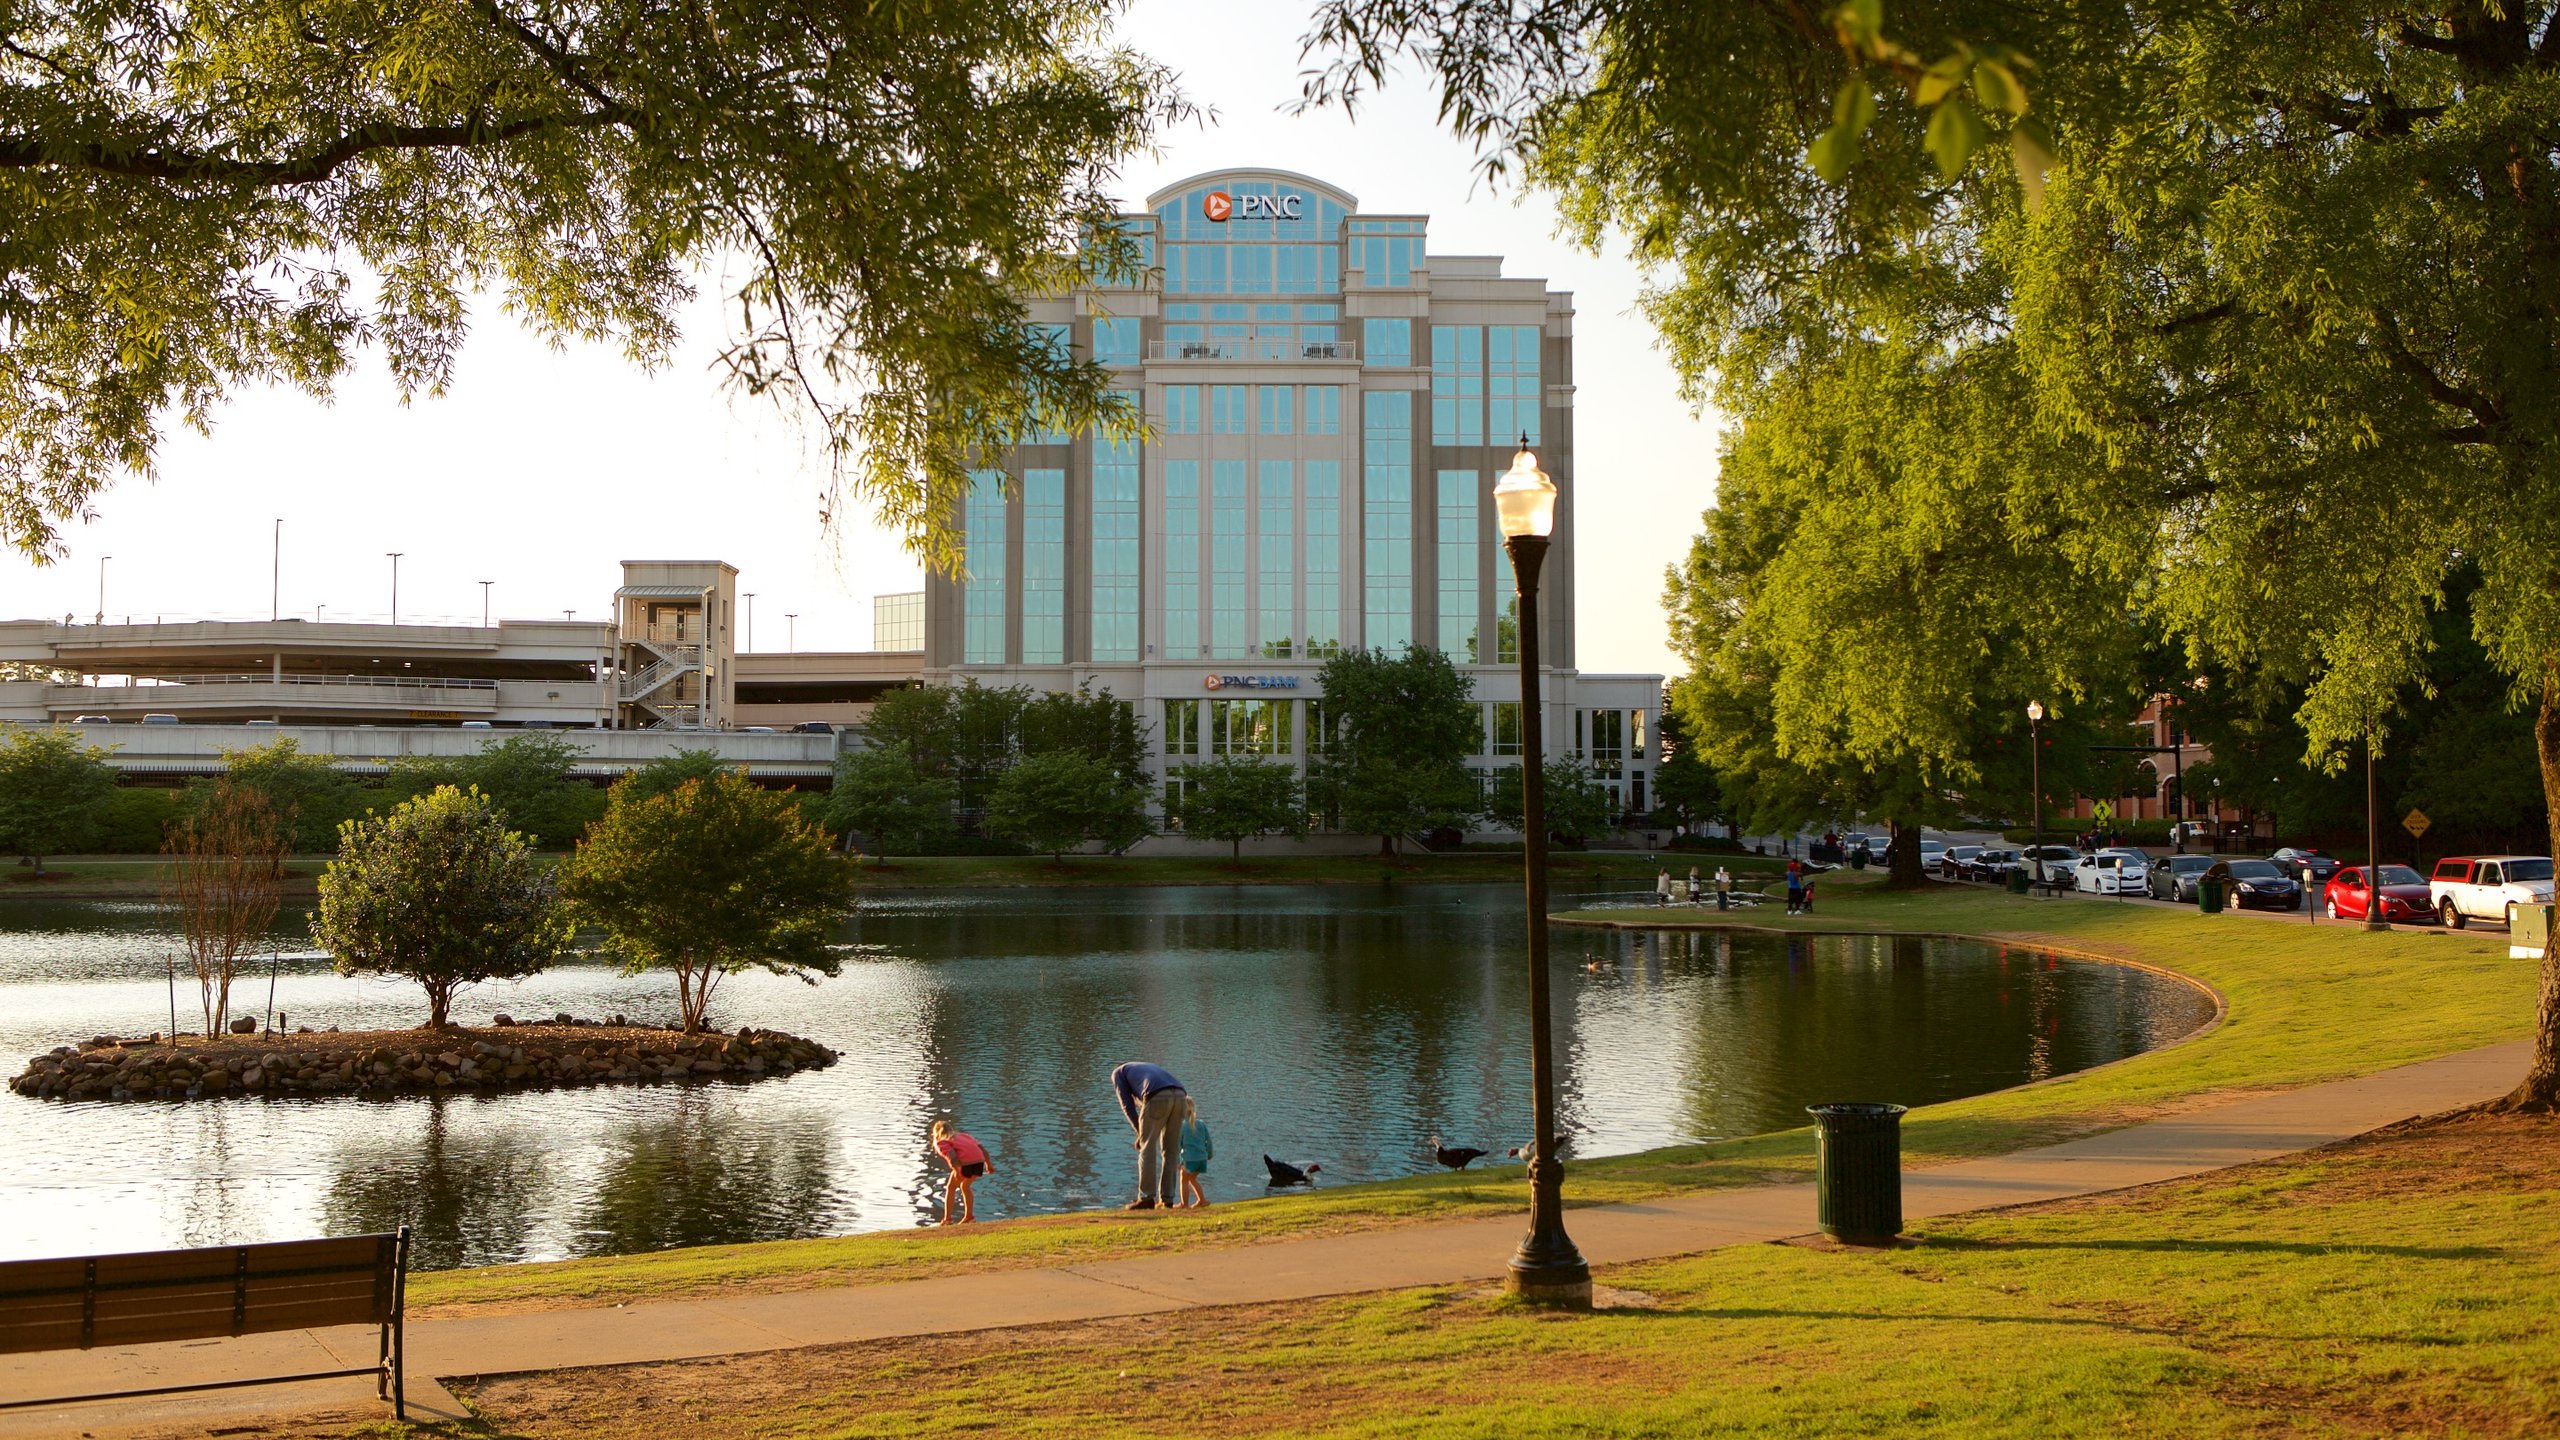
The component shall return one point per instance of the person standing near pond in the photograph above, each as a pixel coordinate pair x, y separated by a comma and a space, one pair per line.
968, 1161
1724, 888
1795, 886
1197, 1152
1662, 888
1153, 1100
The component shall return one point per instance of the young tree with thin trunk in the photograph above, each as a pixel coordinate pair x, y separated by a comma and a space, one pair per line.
709, 879
441, 892
1236, 798
225, 880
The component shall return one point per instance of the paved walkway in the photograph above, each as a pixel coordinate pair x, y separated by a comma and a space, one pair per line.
1456, 1252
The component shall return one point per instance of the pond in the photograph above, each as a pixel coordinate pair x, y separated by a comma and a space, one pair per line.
1338, 1024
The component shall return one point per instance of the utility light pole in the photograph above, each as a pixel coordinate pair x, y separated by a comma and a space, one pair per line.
484, 602
275, 581
2035, 774
2374, 918
792, 635
102, 587
395, 583
1546, 1269
751, 621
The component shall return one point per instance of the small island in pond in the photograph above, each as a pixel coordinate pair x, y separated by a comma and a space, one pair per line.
562, 1051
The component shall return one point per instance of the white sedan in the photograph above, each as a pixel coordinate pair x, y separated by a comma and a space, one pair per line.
2106, 875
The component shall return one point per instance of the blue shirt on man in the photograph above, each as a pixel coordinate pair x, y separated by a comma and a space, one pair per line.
1137, 1080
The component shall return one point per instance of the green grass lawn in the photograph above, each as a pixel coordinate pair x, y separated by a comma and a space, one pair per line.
2306, 1004
2397, 1285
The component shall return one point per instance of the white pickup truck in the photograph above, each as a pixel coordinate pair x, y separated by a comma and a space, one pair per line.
2488, 887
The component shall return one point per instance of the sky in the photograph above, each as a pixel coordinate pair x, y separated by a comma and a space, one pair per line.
541, 470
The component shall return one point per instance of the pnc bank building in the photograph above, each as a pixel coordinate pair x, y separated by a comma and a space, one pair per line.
1330, 405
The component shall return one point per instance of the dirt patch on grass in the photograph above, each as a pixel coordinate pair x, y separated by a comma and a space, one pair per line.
1264, 1369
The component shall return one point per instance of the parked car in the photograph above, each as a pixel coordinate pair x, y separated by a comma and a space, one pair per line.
2136, 866
93, 719
814, 727
2307, 865
2174, 877
2049, 861
2465, 888
1930, 850
2406, 897
161, 718
1992, 863
1953, 859
2101, 874
2263, 885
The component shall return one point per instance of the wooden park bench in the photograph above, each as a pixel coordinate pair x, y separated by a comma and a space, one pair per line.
82, 1302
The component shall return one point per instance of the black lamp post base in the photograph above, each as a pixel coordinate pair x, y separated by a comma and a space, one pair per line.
1558, 1287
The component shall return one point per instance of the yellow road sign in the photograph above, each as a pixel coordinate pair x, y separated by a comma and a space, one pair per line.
2415, 822
2102, 810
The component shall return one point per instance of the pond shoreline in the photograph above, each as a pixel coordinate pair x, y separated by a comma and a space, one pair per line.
559, 1053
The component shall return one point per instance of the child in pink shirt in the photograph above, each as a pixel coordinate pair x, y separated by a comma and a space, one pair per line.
968, 1160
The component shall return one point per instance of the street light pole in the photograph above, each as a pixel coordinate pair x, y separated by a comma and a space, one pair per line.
751, 622
275, 582
484, 602
1547, 1269
395, 583
2374, 919
2035, 775
791, 635
102, 587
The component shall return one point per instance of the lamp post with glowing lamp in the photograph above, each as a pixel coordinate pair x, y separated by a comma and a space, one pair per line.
1546, 1269
2035, 774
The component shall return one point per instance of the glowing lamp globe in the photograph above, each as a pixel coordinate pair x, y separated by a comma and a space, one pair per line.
1524, 499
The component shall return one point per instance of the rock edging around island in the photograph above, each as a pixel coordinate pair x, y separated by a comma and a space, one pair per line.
409, 1062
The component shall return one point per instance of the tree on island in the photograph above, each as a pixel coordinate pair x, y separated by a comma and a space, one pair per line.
1398, 730
53, 787
1056, 802
278, 195
712, 878
884, 796
1236, 798
1578, 806
225, 878
441, 892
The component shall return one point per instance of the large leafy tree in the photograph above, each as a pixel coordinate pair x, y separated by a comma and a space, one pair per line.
308, 792
712, 878
441, 892
882, 795
527, 776
2285, 311
1398, 729
200, 197
1236, 798
1058, 801
54, 789
1577, 804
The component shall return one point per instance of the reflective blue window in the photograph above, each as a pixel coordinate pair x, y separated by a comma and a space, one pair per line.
1115, 340
1044, 567
1386, 342
1512, 397
1228, 615
982, 589
1115, 549
1182, 409
1275, 409
1227, 410
1181, 557
1386, 452
1276, 549
1324, 409
1457, 385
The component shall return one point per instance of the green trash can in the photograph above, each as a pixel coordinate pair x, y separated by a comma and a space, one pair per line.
2209, 896
1858, 1177
2018, 881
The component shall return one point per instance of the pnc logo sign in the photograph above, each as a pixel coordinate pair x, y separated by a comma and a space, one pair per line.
1219, 206
1248, 682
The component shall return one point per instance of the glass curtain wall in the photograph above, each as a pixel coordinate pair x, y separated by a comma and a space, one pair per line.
1323, 566
1277, 575
1181, 557
982, 602
1044, 567
1115, 548
1228, 616
1386, 449
1458, 557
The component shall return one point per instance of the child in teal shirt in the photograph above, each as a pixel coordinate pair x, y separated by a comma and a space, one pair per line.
1196, 1153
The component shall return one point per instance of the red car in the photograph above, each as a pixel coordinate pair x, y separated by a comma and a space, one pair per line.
2404, 895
